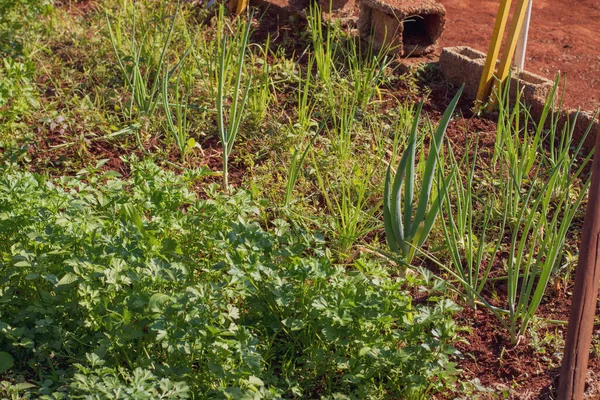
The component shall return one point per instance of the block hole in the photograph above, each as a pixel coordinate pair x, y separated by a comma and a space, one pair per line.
470, 53
421, 31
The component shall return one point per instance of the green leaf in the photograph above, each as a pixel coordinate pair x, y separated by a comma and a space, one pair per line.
23, 386
431, 164
253, 380
67, 279
191, 143
396, 200
410, 173
24, 263
6, 361
387, 218
131, 214
364, 351
157, 301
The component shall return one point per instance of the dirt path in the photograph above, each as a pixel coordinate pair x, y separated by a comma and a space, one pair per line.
564, 36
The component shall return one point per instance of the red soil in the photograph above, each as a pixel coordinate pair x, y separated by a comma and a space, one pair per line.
563, 37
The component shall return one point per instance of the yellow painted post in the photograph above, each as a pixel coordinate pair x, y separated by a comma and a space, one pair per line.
487, 77
511, 41
241, 6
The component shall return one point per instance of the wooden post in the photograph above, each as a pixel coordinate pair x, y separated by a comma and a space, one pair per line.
512, 39
509, 49
585, 295
487, 77
519, 61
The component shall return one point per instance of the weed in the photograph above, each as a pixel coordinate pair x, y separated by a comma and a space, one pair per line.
322, 42
179, 126
296, 167
18, 95
260, 95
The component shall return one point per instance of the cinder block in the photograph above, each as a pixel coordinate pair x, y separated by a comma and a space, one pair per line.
346, 7
584, 120
411, 27
463, 64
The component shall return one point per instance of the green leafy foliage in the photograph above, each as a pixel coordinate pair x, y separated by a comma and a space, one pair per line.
6, 361
136, 288
15, 17
18, 95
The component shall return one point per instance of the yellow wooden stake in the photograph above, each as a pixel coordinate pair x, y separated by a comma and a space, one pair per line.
241, 6
511, 41
487, 78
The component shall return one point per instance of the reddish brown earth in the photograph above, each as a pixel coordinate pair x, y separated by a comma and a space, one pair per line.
563, 36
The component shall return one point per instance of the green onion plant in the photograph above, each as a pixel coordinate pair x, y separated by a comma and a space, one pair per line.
322, 43
229, 128
536, 247
536, 200
142, 70
472, 241
178, 124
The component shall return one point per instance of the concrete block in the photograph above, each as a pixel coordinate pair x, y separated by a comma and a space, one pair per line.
463, 64
346, 7
410, 27
584, 120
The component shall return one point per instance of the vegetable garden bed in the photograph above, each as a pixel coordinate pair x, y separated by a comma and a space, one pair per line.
135, 265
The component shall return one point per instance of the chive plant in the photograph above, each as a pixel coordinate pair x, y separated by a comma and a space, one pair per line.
347, 197
305, 106
322, 43
366, 71
142, 71
178, 124
260, 95
344, 109
296, 165
304, 123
